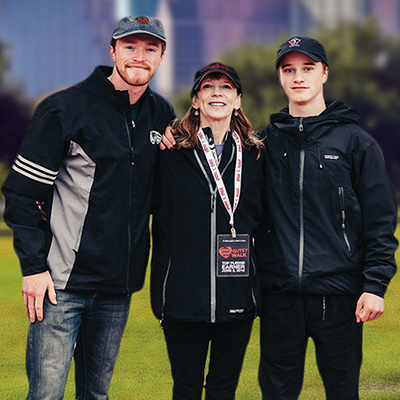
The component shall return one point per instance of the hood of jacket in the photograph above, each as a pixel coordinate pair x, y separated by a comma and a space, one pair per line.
335, 113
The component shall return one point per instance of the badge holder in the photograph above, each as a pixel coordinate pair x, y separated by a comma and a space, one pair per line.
233, 255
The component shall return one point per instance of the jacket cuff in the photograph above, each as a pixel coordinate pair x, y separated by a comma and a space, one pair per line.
374, 289
33, 270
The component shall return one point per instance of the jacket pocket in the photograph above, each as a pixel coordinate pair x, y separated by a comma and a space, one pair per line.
343, 216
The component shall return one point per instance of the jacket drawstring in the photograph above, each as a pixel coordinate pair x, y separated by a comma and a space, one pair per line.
285, 154
319, 158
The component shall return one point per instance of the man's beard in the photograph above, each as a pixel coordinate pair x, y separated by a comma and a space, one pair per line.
137, 78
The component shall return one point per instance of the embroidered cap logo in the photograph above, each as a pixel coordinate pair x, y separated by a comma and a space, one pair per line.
217, 65
142, 20
294, 42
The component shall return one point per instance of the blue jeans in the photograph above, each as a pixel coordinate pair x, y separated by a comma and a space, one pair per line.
92, 321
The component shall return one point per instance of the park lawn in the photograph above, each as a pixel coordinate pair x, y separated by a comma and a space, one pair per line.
142, 370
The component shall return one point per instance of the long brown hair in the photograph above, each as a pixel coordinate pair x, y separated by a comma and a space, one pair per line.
185, 130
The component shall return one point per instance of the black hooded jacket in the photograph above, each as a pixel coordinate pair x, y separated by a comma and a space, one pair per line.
332, 211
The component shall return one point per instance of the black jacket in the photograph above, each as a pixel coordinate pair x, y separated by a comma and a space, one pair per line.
332, 209
93, 171
188, 217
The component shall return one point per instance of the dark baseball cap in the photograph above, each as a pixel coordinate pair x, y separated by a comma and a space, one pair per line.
306, 45
132, 25
216, 67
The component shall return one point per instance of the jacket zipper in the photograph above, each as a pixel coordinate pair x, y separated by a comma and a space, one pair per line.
128, 130
252, 289
346, 239
164, 290
301, 189
213, 234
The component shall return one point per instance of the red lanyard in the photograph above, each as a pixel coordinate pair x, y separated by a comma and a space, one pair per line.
217, 176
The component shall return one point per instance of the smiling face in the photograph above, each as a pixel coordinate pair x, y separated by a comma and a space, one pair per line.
136, 59
302, 80
216, 99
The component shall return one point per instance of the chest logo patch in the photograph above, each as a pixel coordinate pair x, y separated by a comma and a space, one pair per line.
331, 157
155, 137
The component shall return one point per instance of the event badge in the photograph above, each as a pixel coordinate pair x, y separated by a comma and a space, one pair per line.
233, 255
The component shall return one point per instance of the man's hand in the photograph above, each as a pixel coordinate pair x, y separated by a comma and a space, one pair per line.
167, 140
34, 288
369, 307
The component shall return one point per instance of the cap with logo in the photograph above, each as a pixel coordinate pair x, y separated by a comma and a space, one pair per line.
132, 25
216, 67
306, 45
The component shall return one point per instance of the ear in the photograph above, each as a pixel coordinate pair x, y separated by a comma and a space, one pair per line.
325, 76
162, 57
238, 102
112, 52
279, 77
195, 102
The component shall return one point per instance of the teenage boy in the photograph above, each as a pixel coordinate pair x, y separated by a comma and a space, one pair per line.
328, 253
78, 200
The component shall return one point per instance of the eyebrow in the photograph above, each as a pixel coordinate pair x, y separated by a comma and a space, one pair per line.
134, 41
306, 63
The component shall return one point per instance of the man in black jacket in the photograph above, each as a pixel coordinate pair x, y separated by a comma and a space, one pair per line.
328, 251
78, 199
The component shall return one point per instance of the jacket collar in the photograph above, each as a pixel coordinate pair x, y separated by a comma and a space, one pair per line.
99, 84
311, 128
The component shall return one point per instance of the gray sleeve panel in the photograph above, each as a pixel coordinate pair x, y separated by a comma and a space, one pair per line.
70, 206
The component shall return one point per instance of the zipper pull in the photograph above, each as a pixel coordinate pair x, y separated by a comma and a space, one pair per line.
341, 194
301, 128
319, 158
212, 201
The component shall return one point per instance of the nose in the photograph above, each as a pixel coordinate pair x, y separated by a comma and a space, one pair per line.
139, 55
216, 91
298, 76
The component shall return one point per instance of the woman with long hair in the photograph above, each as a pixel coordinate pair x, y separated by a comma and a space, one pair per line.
209, 196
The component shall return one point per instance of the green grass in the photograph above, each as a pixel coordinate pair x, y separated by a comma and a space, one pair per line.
142, 371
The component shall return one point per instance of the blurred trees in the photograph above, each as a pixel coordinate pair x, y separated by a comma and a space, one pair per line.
15, 115
364, 73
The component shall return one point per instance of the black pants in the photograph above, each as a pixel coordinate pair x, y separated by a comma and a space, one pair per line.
287, 321
188, 345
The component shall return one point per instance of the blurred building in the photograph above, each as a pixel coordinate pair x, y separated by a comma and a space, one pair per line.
53, 44
309, 15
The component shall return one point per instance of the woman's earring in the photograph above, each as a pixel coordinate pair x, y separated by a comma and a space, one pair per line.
196, 113
236, 114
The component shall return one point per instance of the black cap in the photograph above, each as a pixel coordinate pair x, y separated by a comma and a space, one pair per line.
216, 67
306, 45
